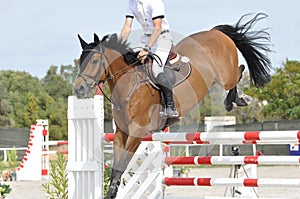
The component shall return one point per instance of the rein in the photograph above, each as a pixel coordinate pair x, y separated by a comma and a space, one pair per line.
111, 77
97, 82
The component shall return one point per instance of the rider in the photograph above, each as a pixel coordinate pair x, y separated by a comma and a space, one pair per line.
157, 39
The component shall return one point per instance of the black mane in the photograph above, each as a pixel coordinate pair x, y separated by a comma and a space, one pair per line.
113, 42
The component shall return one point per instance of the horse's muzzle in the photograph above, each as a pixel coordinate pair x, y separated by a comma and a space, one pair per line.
81, 91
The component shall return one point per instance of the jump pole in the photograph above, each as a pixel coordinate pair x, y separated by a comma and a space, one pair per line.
231, 138
249, 182
233, 160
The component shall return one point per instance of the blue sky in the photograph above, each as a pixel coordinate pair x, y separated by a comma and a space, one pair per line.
38, 34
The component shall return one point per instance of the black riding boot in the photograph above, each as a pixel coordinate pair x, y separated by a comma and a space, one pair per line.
166, 88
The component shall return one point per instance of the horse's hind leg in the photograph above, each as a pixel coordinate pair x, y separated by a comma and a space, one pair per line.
233, 97
228, 102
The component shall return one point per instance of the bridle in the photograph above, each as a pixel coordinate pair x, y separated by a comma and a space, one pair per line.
108, 76
95, 79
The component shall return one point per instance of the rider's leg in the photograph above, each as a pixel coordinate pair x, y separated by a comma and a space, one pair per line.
166, 88
162, 51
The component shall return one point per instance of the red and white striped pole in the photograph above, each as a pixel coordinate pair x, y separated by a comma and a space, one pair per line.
233, 160
251, 182
230, 137
257, 137
57, 142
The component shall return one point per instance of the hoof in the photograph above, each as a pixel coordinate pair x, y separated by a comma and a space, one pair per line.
241, 102
166, 115
111, 195
229, 107
113, 189
242, 68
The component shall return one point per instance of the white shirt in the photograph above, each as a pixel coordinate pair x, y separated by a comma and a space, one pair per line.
145, 11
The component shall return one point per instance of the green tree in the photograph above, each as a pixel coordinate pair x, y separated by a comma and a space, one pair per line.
31, 109
29, 100
5, 108
23, 93
57, 115
58, 85
282, 94
69, 72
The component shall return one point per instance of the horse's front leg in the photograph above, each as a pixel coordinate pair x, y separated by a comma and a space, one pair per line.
123, 152
116, 173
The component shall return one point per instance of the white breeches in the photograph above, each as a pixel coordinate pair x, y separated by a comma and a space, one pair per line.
161, 49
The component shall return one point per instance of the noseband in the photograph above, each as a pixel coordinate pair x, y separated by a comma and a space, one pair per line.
101, 65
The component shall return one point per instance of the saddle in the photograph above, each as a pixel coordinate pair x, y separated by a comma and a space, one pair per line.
177, 68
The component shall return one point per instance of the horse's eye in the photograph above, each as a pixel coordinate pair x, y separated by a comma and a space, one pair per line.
95, 61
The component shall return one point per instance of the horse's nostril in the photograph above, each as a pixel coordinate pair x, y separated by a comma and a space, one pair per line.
81, 91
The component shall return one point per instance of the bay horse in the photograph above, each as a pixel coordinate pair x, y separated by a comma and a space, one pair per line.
213, 57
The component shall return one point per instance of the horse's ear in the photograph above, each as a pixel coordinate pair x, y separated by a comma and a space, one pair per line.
96, 39
82, 42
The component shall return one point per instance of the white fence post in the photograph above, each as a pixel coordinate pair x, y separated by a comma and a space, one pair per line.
85, 158
146, 166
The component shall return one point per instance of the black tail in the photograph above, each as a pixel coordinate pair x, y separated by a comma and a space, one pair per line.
251, 43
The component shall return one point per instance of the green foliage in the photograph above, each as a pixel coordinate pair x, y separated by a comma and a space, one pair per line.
58, 85
24, 99
282, 94
20, 87
12, 158
57, 188
4, 189
5, 107
107, 173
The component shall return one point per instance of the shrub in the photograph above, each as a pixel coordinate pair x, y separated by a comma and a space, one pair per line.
57, 188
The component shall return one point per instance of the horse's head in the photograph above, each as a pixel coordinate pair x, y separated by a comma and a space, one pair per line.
92, 67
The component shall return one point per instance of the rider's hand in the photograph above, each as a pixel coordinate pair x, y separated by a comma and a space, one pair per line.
143, 55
